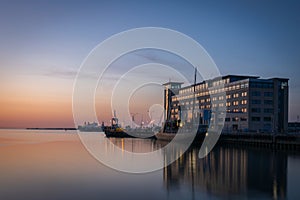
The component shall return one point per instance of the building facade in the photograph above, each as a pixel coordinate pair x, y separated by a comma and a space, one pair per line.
251, 104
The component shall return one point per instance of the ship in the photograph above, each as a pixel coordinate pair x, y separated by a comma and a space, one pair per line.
90, 127
116, 131
192, 132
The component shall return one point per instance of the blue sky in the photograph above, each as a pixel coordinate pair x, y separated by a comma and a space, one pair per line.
47, 41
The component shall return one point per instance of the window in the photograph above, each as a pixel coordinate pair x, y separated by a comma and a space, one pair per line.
244, 94
267, 119
243, 102
261, 85
268, 110
228, 104
235, 103
243, 119
244, 110
256, 93
228, 96
255, 110
227, 119
235, 119
255, 119
236, 95
268, 94
256, 101
268, 102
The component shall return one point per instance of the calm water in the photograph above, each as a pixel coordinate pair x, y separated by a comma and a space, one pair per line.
55, 165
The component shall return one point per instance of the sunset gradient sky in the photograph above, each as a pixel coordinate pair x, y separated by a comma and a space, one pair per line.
43, 43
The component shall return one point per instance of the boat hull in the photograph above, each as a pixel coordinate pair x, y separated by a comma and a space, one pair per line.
123, 134
198, 138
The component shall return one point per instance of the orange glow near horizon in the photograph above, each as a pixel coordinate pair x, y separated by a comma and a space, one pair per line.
22, 114
34, 101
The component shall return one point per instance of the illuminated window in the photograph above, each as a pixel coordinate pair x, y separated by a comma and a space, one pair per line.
235, 119
243, 102
235, 103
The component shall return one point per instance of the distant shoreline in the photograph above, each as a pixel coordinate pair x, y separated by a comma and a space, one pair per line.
66, 129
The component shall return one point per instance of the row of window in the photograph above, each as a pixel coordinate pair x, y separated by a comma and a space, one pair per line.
236, 110
235, 119
261, 85
258, 94
202, 89
258, 119
258, 101
235, 103
254, 119
258, 110
229, 96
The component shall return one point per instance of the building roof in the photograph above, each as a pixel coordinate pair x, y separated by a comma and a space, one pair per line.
172, 82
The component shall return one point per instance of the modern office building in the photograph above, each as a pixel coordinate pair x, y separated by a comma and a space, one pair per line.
251, 104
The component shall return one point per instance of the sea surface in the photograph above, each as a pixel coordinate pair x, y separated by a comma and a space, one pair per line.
37, 164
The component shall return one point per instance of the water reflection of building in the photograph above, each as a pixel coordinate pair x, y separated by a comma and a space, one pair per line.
230, 171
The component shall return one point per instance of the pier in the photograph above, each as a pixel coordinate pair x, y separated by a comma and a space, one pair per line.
275, 141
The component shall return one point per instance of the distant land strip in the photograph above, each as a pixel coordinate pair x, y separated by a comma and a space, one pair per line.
66, 129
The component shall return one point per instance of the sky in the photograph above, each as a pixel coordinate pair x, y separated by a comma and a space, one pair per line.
43, 44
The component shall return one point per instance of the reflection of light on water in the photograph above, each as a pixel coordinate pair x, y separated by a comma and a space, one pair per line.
274, 189
122, 142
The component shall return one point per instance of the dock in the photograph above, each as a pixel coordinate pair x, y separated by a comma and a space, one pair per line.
275, 141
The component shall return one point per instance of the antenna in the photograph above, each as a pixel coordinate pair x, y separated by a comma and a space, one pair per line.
195, 78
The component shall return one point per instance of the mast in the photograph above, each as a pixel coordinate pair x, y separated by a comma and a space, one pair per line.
194, 94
